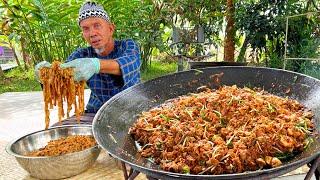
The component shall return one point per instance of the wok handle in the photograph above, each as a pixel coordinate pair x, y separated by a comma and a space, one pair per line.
313, 169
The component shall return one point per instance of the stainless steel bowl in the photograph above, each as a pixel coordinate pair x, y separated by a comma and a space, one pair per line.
54, 167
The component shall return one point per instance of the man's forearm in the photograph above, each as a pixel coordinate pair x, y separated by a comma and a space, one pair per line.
110, 66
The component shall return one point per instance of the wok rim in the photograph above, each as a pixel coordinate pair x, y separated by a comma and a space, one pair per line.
247, 174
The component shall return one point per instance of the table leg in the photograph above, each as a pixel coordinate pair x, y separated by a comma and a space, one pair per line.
313, 169
317, 173
124, 170
132, 173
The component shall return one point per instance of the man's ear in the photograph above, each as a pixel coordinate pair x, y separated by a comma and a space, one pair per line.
112, 27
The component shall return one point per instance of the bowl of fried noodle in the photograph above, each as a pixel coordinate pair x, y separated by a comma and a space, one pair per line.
56, 153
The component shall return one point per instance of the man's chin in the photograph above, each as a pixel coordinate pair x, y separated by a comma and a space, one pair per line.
98, 50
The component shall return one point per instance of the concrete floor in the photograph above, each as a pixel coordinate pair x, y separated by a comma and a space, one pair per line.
22, 113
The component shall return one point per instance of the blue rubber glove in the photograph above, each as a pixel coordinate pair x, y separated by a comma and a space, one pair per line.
84, 68
38, 67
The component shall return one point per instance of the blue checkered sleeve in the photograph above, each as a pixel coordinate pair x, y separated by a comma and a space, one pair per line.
130, 62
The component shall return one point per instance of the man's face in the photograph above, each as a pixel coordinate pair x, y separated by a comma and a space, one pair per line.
97, 32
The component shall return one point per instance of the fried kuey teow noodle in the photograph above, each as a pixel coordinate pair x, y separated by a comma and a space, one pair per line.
229, 130
58, 87
65, 145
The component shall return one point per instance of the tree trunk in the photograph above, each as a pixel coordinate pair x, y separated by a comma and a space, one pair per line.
24, 54
230, 32
14, 54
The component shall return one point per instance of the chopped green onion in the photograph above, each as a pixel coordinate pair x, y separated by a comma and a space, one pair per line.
185, 169
164, 117
307, 142
271, 107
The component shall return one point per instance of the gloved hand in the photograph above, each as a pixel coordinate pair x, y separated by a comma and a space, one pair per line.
84, 68
38, 67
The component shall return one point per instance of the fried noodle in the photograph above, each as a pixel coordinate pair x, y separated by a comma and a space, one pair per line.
58, 87
65, 145
228, 130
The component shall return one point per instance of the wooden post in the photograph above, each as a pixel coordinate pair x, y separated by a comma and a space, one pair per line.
175, 35
200, 34
200, 39
180, 63
176, 40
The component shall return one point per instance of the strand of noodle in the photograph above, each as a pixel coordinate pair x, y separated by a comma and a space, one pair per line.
59, 87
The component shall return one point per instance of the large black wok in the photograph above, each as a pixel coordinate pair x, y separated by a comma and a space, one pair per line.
111, 123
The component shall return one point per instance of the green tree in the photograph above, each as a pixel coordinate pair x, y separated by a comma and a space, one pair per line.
262, 23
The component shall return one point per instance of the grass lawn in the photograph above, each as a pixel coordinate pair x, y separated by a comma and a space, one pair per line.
157, 69
18, 80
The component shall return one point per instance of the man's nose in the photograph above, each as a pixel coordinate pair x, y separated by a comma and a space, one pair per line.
93, 32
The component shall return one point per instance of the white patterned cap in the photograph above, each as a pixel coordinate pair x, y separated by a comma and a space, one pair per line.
92, 9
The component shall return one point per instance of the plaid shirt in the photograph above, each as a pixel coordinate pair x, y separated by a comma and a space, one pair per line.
104, 86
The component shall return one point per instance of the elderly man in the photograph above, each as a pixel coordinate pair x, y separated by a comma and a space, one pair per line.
107, 65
